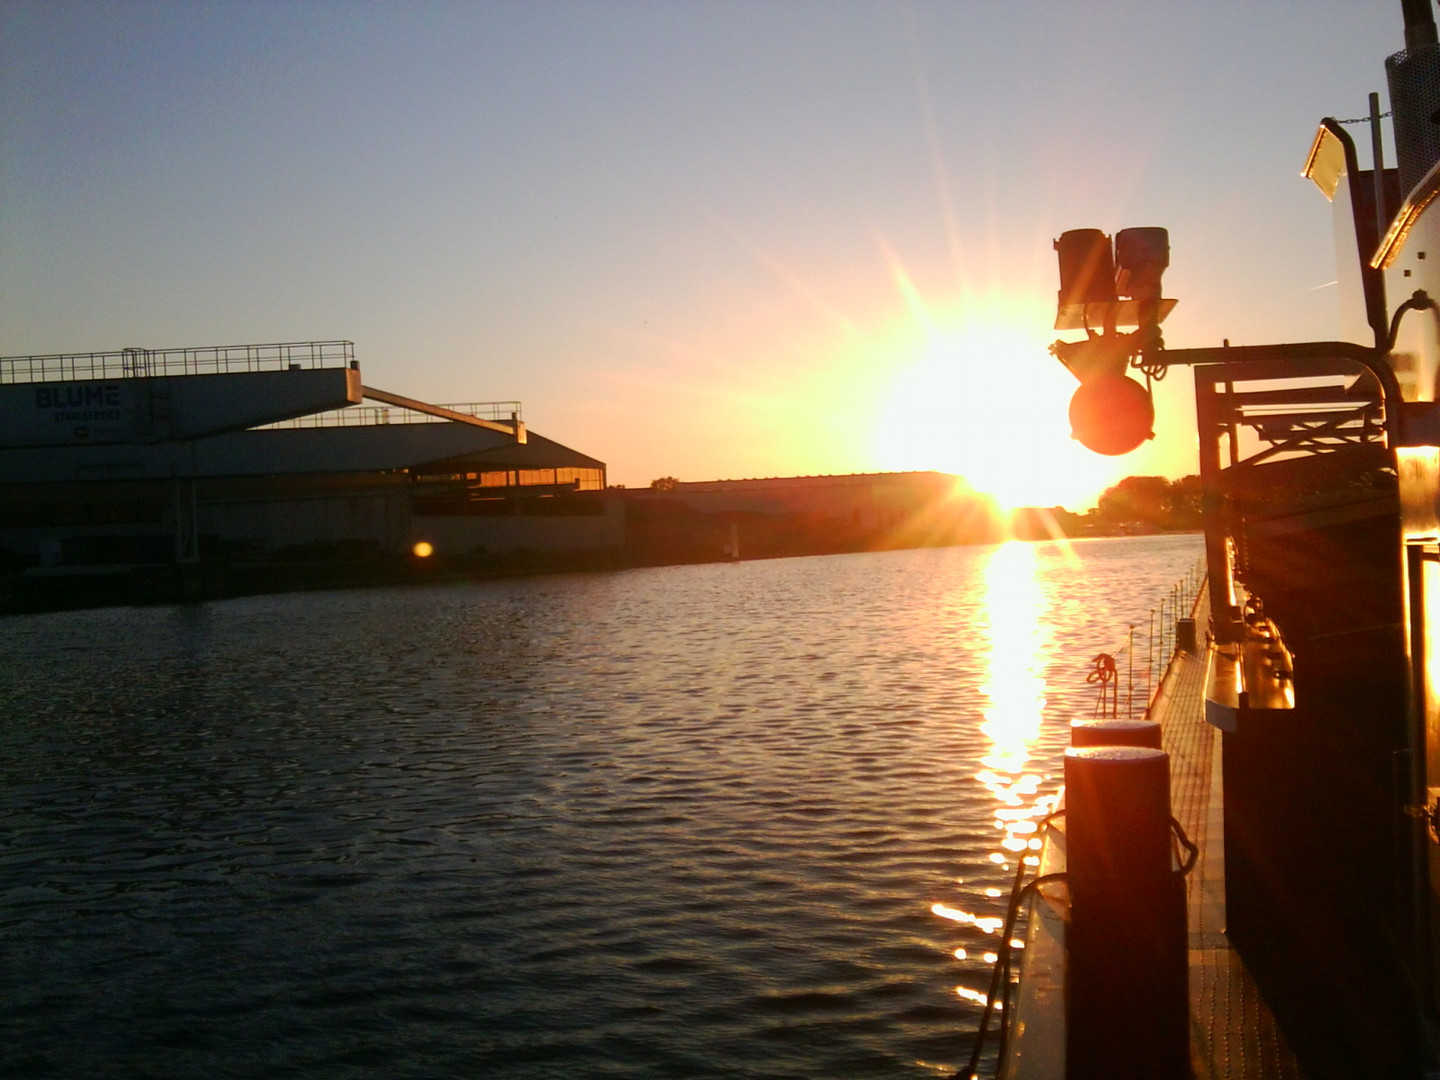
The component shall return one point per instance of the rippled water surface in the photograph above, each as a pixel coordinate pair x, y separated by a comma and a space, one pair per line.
744, 820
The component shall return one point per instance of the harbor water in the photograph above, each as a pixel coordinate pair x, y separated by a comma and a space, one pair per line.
732, 820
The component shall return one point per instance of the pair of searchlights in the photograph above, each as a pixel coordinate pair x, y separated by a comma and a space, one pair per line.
1103, 288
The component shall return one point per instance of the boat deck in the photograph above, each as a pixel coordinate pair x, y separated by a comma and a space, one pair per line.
1232, 1032
1233, 1035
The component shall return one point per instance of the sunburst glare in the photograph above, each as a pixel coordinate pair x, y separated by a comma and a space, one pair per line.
981, 397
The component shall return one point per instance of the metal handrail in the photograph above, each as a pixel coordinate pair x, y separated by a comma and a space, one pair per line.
202, 360
377, 415
1145, 652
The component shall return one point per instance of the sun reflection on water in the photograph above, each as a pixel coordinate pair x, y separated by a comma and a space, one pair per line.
1014, 687
1013, 690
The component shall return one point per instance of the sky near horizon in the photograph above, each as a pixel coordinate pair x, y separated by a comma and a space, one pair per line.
696, 239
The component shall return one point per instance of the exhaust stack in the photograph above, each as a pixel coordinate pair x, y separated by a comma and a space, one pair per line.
1414, 78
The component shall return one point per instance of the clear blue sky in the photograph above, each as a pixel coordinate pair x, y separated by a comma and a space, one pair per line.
696, 239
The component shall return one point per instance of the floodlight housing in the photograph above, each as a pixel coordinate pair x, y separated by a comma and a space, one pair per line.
1104, 286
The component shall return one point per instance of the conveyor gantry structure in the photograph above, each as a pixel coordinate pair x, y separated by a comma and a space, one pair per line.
260, 448
169, 395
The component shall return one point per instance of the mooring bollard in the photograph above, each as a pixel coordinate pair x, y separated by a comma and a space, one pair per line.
1127, 1001
1115, 733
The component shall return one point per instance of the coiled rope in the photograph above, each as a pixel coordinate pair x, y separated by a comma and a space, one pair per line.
1105, 673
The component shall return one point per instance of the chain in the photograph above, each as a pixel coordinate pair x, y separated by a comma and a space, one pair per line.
1361, 119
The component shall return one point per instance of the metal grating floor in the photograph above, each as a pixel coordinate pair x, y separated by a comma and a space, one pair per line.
1232, 1032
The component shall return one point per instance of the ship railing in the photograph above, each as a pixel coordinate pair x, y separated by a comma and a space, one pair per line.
1135, 670
375, 415
137, 363
1129, 674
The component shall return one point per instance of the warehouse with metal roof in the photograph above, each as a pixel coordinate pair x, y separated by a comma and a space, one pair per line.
143, 457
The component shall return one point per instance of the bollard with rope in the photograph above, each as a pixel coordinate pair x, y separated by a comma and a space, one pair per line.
1130, 745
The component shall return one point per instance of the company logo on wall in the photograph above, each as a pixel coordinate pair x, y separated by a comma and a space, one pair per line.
73, 412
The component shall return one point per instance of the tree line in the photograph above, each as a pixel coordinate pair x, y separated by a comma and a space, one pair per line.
1143, 504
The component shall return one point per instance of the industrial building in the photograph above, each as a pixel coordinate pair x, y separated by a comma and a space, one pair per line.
807, 515
146, 474
223, 455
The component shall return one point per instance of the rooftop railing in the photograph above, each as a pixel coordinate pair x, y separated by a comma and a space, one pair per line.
205, 360
373, 415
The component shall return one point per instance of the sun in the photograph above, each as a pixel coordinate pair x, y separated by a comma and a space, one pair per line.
982, 398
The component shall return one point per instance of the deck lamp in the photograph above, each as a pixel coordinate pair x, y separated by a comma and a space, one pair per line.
1103, 287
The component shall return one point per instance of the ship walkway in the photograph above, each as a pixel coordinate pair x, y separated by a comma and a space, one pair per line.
1232, 1033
